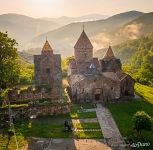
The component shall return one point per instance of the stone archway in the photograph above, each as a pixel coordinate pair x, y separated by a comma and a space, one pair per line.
97, 94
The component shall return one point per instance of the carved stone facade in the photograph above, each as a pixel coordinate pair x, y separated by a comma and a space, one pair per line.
93, 80
48, 69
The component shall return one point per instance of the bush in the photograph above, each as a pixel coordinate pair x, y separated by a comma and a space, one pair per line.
142, 121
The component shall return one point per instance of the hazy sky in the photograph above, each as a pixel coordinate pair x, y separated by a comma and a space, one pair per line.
56, 8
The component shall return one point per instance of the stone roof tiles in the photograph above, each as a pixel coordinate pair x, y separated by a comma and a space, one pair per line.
111, 75
109, 53
83, 42
47, 47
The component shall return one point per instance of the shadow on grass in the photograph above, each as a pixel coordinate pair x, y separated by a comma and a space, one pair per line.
50, 127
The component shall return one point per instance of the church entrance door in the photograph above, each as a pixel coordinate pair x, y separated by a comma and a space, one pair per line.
97, 97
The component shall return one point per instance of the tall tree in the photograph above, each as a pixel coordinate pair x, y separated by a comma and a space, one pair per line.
9, 67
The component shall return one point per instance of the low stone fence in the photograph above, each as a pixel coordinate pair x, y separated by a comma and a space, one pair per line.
25, 96
46, 110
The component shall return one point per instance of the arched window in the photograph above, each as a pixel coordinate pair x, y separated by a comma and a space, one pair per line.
85, 55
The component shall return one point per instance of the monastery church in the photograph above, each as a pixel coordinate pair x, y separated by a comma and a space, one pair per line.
93, 80
90, 79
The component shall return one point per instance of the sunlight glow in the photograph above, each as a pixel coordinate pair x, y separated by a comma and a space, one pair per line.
41, 3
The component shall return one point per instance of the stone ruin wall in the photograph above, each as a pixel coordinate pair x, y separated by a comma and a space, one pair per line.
29, 95
38, 110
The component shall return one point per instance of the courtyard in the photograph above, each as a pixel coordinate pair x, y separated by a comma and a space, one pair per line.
82, 118
49, 131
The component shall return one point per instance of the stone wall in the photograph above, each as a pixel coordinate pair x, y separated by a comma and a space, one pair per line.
48, 70
105, 87
30, 95
112, 65
38, 110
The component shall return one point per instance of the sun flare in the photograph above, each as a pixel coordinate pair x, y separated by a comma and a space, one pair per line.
41, 3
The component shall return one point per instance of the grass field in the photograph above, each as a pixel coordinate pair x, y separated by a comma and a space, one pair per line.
43, 130
77, 107
145, 91
76, 115
4, 142
91, 125
53, 127
123, 113
88, 134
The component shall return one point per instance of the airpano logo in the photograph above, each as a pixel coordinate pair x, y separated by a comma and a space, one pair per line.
139, 144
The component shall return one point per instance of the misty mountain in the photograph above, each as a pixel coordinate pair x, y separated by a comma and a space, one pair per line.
132, 52
67, 20
23, 28
134, 29
130, 36
142, 25
64, 38
26, 57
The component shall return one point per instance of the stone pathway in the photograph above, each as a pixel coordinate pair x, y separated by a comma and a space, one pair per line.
109, 128
66, 144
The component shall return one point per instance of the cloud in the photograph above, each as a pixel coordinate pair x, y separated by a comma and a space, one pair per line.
132, 31
100, 41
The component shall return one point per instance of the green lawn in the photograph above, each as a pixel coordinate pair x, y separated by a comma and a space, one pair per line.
123, 114
145, 91
88, 134
43, 130
11, 144
91, 125
77, 107
53, 127
76, 115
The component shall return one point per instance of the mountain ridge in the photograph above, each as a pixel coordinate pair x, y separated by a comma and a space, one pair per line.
22, 27
63, 20
65, 37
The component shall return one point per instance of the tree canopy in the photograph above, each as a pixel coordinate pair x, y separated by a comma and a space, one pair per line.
137, 58
65, 64
9, 67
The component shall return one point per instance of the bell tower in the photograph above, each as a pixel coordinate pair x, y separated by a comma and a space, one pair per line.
47, 49
83, 49
110, 63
